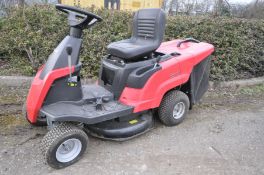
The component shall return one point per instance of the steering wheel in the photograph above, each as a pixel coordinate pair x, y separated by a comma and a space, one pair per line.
79, 18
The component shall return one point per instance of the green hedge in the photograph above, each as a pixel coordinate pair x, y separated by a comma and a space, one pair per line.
28, 36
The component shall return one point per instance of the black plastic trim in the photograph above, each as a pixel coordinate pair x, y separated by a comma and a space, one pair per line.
187, 40
118, 73
114, 129
76, 32
199, 80
138, 78
61, 91
58, 59
81, 111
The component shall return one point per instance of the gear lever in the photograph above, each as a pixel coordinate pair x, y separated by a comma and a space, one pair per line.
157, 62
71, 81
69, 52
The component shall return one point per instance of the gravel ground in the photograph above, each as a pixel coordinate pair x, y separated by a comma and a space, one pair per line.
222, 135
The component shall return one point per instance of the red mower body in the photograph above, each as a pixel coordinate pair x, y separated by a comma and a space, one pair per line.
175, 72
138, 78
39, 89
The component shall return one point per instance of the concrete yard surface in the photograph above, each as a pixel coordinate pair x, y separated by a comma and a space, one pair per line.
223, 135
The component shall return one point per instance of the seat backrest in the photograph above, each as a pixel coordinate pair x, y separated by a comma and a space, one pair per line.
149, 24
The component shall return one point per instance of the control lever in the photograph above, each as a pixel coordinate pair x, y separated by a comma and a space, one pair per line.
71, 82
157, 62
69, 52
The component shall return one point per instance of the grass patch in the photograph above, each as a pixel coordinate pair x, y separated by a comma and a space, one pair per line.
253, 90
9, 95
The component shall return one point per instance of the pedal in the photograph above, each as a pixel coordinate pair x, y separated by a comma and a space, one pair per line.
105, 99
99, 104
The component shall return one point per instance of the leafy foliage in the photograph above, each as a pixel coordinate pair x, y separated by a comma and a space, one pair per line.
29, 35
239, 46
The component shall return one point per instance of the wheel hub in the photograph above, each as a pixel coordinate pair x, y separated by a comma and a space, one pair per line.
68, 150
178, 110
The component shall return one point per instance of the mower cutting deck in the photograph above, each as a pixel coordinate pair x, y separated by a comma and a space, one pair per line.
139, 77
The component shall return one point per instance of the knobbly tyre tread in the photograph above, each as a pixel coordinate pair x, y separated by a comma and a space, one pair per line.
165, 111
56, 135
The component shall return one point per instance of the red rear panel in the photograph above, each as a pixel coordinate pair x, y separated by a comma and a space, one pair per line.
174, 72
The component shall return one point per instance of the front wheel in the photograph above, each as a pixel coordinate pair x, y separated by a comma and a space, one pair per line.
64, 145
173, 108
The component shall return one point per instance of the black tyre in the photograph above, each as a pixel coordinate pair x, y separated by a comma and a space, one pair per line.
173, 108
64, 145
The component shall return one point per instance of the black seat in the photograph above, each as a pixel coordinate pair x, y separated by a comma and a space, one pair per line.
148, 31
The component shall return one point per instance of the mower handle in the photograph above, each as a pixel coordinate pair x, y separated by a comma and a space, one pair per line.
87, 19
187, 40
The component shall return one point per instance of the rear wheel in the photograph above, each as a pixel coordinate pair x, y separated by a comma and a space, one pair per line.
173, 108
64, 145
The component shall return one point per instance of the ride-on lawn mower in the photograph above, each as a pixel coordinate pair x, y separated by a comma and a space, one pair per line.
139, 77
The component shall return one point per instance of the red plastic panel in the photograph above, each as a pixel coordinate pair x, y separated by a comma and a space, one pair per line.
39, 89
174, 72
